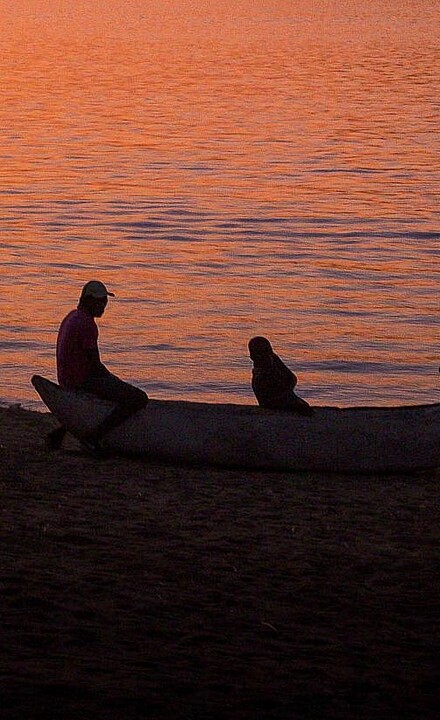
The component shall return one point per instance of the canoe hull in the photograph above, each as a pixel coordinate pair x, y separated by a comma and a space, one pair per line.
348, 440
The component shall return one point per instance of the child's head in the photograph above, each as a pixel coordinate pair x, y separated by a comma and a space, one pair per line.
260, 349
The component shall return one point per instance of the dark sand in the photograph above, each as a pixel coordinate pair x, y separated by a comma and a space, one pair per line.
132, 589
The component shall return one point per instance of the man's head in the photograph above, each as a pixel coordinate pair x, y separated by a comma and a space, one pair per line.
260, 349
93, 298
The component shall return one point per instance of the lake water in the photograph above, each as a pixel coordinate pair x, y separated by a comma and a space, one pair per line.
228, 169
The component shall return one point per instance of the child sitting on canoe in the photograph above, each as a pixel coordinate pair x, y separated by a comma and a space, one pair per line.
272, 381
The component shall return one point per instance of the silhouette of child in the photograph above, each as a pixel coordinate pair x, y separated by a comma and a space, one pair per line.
272, 381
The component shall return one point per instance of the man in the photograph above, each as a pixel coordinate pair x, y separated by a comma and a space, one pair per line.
272, 381
79, 365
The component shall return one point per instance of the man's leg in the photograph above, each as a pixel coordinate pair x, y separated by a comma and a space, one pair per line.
128, 398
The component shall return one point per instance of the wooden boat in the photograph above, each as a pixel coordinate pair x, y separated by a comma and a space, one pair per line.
347, 440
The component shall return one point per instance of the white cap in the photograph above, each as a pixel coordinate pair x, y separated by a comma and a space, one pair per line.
96, 289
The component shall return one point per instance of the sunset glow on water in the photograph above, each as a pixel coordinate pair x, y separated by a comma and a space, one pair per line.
228, 169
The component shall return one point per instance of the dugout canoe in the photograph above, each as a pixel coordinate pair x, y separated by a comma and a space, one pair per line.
344, 440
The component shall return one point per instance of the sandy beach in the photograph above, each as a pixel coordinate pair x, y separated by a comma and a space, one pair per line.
132, 589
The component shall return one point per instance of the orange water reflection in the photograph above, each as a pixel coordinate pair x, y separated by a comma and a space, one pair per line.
228, 174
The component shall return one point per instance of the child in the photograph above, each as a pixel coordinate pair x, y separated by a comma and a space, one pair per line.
272, 381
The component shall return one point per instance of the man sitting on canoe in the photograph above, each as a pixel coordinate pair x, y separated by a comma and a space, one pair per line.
79, 365
272, 381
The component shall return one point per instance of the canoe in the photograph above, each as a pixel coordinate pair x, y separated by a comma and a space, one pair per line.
343, 440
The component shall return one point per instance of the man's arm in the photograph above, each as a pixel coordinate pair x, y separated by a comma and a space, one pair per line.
96, 366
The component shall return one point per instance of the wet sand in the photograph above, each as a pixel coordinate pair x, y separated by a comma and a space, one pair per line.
132, 589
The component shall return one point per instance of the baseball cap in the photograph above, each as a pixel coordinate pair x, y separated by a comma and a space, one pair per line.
96, 289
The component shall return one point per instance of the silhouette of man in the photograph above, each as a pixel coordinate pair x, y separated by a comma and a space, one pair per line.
79, 365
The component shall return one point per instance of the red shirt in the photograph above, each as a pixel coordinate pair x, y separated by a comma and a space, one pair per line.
78, 333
